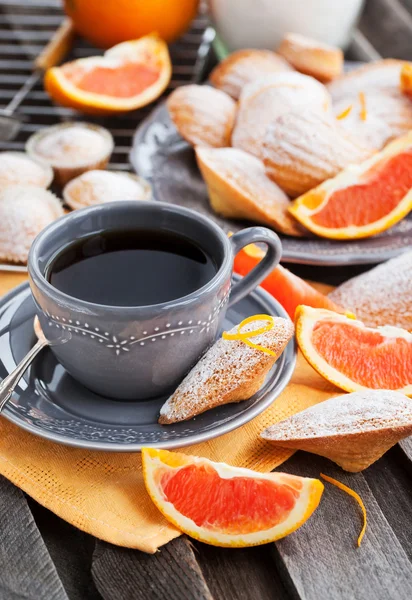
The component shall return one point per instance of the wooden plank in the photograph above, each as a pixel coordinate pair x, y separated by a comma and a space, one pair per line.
71, 551
170, 574
361, 49
390, 481
406, 446
407, 4
27, 569
240, 574
387, 24
321, 560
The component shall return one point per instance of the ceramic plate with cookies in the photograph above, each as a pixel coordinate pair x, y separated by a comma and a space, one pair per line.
296, 140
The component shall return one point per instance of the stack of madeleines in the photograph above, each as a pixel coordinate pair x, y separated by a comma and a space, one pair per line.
272, 126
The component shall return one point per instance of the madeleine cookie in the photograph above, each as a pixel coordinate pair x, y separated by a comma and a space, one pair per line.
381, 75
311, 57
375, 117
202, 115
98, 187
24, 212
353, 430
239, 188
230, 371
243, 67
381, 296
263, 100
302, 149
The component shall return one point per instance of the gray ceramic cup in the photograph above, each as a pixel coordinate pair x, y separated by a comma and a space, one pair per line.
139, 352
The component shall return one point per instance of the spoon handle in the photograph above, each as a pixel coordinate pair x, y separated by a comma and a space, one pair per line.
8, 385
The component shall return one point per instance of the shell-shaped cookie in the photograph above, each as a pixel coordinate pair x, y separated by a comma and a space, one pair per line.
302, 149
243, 67
230, 371
375, 117
24, 212
353, 430
202, 115
322, 61
262, 101
239, 188
381, 296
381, 75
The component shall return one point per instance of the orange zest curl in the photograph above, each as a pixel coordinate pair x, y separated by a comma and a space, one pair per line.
352, 493
244, 336
363, 111
344, 113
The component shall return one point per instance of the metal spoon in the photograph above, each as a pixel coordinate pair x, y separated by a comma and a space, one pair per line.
9, 384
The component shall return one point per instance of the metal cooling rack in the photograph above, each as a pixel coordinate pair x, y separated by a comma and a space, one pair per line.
25, 27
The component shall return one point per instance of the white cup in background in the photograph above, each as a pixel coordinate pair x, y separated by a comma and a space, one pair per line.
262, 23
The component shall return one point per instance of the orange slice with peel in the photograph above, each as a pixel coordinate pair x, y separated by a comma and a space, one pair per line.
288, 289
352, 356
362, 200
126, 77
228, 506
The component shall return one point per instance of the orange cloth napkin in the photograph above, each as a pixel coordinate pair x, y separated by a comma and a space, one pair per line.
103, 493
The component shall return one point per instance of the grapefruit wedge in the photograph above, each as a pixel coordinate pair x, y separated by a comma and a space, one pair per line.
352, 356
362, 200
227, 506
288, 289
126, 77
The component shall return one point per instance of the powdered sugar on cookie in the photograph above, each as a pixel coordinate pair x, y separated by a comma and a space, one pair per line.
382, 296
229, 372
17, 168
243, 67
24, 212
358, 412
262, 101
381, 76
376, 116
97, 187
303, 148
239, 188
71, 146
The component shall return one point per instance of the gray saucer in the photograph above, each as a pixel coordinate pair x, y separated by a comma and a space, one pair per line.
160, 155
51, 404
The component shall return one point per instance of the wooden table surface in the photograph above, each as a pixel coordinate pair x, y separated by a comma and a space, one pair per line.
321, 560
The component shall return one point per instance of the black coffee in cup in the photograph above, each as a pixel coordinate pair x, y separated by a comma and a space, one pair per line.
131, 267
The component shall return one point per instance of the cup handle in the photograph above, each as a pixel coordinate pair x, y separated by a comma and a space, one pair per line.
263, 268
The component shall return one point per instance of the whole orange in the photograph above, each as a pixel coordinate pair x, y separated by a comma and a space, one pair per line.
108, 22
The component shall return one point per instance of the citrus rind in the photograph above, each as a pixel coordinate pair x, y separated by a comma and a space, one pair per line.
156, 461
